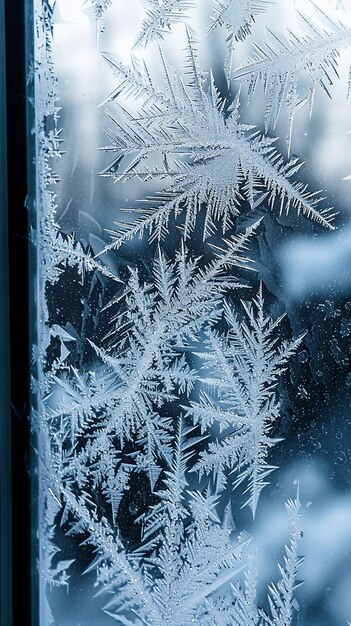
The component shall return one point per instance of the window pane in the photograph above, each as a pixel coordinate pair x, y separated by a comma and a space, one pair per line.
191, 377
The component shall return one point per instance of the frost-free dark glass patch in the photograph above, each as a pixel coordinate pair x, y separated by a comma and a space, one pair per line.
191, 368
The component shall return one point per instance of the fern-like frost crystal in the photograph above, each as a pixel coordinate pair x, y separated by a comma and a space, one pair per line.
210, 157
98, 7
160, 16
244, 371
278, 65
238, 16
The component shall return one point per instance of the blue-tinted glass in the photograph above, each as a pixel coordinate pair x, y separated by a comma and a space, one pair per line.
191, 378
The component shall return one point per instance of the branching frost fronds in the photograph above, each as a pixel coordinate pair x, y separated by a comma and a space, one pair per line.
280, 64
242, 378
189, 139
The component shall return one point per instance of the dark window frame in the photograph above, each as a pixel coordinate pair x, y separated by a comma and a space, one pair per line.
16, 501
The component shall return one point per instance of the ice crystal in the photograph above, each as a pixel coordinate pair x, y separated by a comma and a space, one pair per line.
209, 156
187, 557
280, 595
144, 365
243, 372
279, 63
238, 16
160, 16
98, 7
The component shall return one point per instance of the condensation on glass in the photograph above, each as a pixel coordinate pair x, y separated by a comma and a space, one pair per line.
191, 368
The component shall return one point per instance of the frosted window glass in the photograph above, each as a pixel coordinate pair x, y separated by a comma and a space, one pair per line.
191, 377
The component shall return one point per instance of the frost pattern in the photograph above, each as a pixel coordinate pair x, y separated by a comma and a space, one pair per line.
98, 7
210, 156
279, 63
160, 16
237, 16
244, 372
179, 387
145, 364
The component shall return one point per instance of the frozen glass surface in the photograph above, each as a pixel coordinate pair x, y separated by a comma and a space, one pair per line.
192, 375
